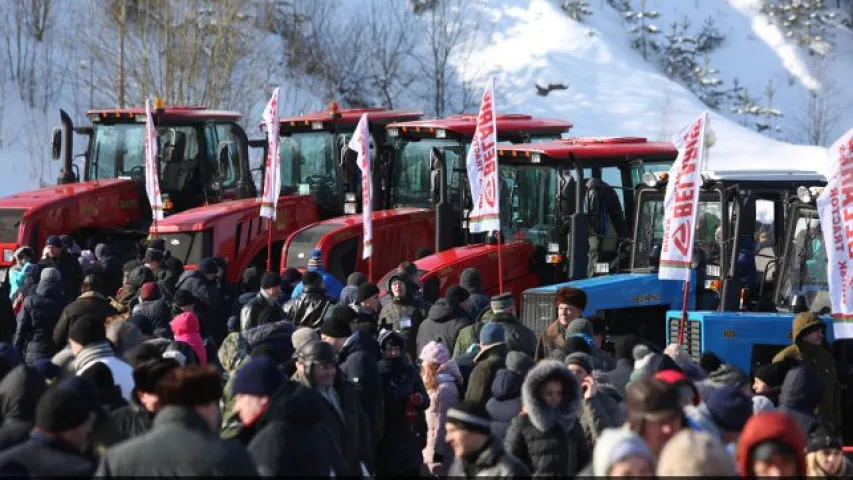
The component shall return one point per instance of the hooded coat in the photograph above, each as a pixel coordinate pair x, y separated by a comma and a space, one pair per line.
505, 403
88, 303
186, 329
358, 360
492, 462
766, 426
486, 366
404, 315
443, 323
20, 391
471, 280
549, 441
69, 268
582, 328
159, 312
214, 315
437, 454
111, 263
821, 360
800, 397
37, 319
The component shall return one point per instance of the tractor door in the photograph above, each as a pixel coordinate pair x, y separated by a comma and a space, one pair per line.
226, 165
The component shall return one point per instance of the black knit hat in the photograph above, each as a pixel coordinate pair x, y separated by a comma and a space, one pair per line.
148, 374
270, 280
355, 279
709, 361
60, 410
87, 330
823, 436
365, 291
456, 294
153, 256
208, 266
143, 323
470, 416
773, 374
625, 346
336, 324
183, 298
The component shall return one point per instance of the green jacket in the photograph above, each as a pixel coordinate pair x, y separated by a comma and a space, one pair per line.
470, 335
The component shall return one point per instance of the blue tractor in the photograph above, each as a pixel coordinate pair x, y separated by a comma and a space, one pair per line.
739, 215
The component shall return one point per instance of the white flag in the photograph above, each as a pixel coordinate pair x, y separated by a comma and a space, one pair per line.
482, 165
152, 178
681, 202
272, 177
835, 208
360, 142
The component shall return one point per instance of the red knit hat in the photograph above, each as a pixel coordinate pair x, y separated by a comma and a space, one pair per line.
148, 291
677, 379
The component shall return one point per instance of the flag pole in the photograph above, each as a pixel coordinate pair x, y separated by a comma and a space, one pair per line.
500, 264
269, 244
683, 312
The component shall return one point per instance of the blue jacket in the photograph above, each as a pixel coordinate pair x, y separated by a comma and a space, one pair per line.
333, 286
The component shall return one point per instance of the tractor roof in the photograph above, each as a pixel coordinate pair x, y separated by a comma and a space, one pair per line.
167, 114
465, 124
783, 175
595, 150
347, 118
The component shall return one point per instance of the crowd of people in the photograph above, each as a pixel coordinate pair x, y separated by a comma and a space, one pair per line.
147, 368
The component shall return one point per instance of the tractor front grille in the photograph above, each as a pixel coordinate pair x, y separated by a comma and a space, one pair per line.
537, 310
692, 336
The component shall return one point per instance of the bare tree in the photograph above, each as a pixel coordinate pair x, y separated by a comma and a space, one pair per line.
822, 112
392, 31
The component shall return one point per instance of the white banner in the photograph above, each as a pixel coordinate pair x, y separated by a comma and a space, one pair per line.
152, 177
272, 177
835, 208
360, 142
681, 202
482, 165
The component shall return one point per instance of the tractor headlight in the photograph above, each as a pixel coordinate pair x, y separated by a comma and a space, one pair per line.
316, 125
804, 194
601, 268
650, 179
349, 197
349, 209
441, 133
536, 158
393, 132
553, 247
713, 271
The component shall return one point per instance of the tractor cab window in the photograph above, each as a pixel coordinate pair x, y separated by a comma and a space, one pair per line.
411, 184
804, 268
226, 137
650, 226
639, 169
308, 165
528, 196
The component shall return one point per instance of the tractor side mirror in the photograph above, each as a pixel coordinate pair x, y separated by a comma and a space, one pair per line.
654, 254
437, 168
56, 143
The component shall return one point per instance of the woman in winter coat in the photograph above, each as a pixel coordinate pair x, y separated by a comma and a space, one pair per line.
547, 437
442, 380
23, 268
186, 329
505, 403
824, 457
41, 312
405, 397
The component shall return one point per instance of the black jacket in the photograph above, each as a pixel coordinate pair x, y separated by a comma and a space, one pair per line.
170, 271
70, 269
132, 420
443, 323
45, 456
213, 314
519, 337
307, 309
486, 366
112, 276
358, 360
250, 314
802, 392
89, 303
20, 391
620, 375
159, 313
180, 443
400, 448
37, 319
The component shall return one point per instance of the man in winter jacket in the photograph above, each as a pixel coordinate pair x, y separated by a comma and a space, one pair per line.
253, 387
137, 417
39, 317
602, 403
111, 264
620, 375
91, 302
268, 295
477, 453
403, 313
811, 349
348, 293
490, 359
183, 440
518, 337
366, 305
582, 328
56, 445
88, 339
472, 282
20, 391
503, 303
445, 320
569, 304
202, 284
722, 414
801, 394
60, 258
329, 283
654, 412
154, 306
307, 309
505, 403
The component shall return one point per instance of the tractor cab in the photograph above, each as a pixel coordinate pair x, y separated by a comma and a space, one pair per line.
802, 267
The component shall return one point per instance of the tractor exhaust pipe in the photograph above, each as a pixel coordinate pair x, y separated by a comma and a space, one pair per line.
443, 212
67, 174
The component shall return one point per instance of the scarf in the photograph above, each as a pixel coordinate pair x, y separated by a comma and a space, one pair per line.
91, 354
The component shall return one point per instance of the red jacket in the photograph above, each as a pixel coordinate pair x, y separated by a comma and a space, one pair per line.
770, 426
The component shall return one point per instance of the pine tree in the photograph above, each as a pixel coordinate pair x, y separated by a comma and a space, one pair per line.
620, 6
745, 106
643, 29
767, 114
678, 53
710, 37
577, 10
807, 22
709, 86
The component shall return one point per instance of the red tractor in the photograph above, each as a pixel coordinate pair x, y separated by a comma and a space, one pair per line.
552, 230
423, 179
203, 159
317, 182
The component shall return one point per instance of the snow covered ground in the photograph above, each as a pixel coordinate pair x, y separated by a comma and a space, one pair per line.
612, 90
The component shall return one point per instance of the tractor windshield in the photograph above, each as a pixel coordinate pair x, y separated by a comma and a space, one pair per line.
528, 202
411, 185
308, 164
649, 229
118, 150
804, 268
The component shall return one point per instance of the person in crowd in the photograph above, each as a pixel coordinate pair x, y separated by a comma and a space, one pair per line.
403, 313
442, 381
9, 359
709, 362
801, 396
56, 446
600, 331
290, 278
124, 336
768, 380
348, 293
726, 374
366, 303
771, 445
103, 434
519, 337
39, 317
88, 339
58, 257
24, 270
316, 367
505, 403
228, 292
446, 318
250, 286
183, 440
490, 359
110, 262
471, 280
91, 302
679, 354
620, 375
547, 437
154, 306
301, 337
253, 387
722, 414
330, 284
811, 349
824, 455
468, 336
405, 398
268, 295
654, 412
185, 328
602, 404
109, 394
89, 263
137, 417
20, 391
308, 308
128, 296
201, 283
687, 391
695, 454
476, 452
171, 268
358, 359
620, 453
569, 304
71, 245
582, 328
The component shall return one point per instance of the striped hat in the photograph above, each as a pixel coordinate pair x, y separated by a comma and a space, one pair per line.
470, 416
316, 260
